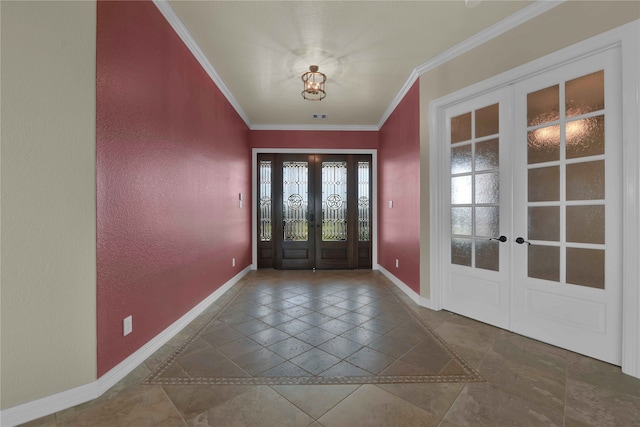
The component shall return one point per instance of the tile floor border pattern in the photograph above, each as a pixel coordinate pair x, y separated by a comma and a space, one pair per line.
470, 376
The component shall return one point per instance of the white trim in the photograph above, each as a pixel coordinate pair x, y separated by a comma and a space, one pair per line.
254, 191
535, 9
66, 399
178, 26
421, 301
625, 36
399, 97
347, 128
532, 11
631, 200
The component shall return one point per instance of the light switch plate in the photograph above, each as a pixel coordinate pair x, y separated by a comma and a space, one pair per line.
127, 325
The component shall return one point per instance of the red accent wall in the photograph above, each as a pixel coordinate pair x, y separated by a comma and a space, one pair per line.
399, 181
172, 156
314, 139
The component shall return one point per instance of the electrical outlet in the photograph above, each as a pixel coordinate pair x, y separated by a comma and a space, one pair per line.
397, 263
127, 325
391, 203
233, 262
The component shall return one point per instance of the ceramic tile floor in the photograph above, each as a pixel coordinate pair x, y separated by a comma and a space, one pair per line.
528, 383
286, 328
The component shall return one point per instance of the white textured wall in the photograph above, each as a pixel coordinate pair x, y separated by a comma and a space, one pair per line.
48, 220
562, 26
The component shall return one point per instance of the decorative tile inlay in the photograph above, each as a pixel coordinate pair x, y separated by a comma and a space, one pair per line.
329, 327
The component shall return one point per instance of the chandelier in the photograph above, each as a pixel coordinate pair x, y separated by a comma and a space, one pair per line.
313, 81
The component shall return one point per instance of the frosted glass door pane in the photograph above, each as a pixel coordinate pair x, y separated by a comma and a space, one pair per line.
543, 145
585, 224
487, 121
295, 200
585, 267
544, 262
461, 159
461, 128
488, 221
461, 221
544, 184
585, 137
585, 94
544, 223
543, 106
334, 201
487, 190
461, 190
461, 251
487, 155
585, 181
488, 255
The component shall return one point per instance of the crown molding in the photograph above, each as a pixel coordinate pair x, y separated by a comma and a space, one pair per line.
176, 23
351, 128
535, 9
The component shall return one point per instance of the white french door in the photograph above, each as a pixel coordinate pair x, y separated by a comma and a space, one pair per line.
567, 207
535, 207
478, 277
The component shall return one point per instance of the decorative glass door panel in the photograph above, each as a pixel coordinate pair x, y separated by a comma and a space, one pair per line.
477, 275
314, 211
567, 281
334, 201
295, 201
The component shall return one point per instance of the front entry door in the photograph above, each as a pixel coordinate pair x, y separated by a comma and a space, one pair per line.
321, 211
535, 237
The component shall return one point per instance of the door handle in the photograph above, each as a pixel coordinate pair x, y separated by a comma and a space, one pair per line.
310, 217
520, 241
501, 238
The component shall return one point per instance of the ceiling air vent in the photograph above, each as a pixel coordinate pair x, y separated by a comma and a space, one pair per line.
319, 116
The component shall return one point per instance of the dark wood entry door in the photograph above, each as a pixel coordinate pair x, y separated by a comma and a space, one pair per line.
314, 211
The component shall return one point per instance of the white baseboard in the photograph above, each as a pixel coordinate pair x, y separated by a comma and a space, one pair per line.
421, 301
66, 399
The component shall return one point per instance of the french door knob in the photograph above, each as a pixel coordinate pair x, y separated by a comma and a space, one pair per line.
501, 238
520, 241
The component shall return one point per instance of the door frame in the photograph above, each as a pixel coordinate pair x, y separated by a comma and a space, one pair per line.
626, 39
254, 192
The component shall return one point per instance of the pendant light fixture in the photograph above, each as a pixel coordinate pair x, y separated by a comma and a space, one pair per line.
313, 81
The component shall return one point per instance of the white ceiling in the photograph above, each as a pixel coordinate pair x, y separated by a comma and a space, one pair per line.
369, 51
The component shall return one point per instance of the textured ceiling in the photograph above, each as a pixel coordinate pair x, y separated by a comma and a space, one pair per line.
367, 49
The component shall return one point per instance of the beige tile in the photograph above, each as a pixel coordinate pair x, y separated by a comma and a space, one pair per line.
137, 407
48, 421
315, 400
601, 374
372, 406
535, 385
130, 381
600, 406
433, 398
529, 352
166, 350
480, 404
468, 333
258, 407
194, 400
